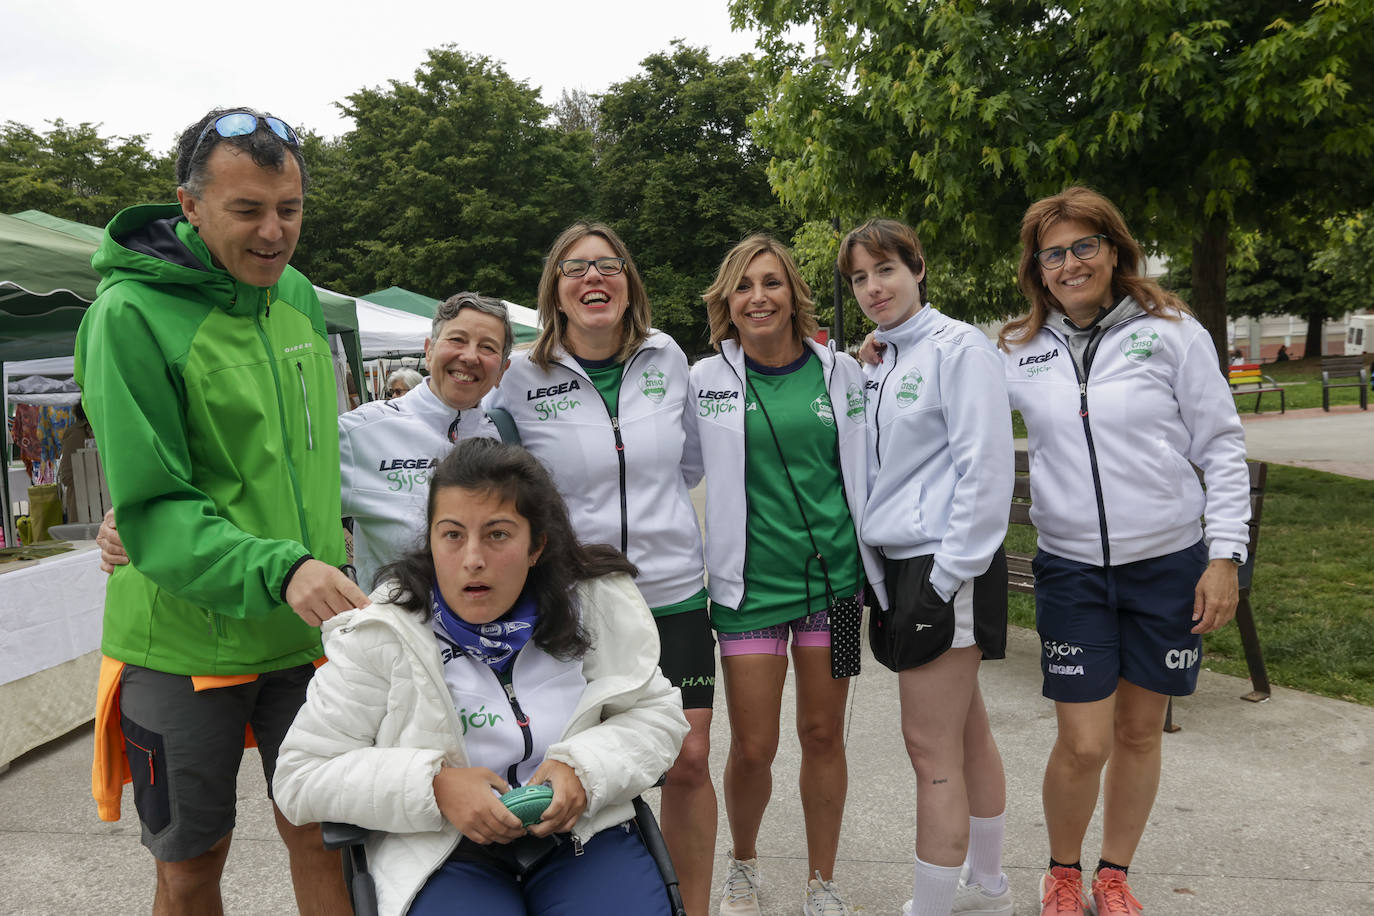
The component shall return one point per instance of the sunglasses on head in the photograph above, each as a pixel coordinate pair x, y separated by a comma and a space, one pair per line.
243, 123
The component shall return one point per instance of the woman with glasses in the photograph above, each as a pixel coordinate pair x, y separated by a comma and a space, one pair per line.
401, 381
602, 399
782, 434
1122, 393
940, 479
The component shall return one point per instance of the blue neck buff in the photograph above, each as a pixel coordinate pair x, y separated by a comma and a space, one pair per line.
496, 643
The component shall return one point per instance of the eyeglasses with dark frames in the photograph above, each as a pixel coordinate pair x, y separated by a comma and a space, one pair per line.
1085, 249
578, 267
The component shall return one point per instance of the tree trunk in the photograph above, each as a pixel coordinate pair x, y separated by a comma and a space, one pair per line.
1316, 325
1209, 283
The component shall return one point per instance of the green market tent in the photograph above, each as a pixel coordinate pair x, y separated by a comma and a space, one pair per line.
524, 321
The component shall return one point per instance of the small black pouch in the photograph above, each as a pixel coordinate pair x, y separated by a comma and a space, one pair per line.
918, 626
846, 618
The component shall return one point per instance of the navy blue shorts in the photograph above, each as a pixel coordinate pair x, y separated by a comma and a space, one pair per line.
1100, 624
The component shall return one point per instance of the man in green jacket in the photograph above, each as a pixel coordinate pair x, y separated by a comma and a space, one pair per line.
207, 376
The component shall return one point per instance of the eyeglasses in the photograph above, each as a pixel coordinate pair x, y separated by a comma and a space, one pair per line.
243, 123
1085, 249
577, 267
396, 392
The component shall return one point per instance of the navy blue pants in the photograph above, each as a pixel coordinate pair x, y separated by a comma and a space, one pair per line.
614, 874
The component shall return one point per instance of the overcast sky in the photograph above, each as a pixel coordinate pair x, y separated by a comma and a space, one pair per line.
154, 66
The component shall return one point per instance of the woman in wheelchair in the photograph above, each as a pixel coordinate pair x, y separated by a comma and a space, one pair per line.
500, 653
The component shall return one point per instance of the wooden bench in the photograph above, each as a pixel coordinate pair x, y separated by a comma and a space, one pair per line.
1246, 378
1344, 367
1021, 578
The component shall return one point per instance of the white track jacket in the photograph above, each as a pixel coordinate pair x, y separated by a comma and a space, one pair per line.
940, 458
386, 451
379, 721
625, 484
1111, 479
719, 380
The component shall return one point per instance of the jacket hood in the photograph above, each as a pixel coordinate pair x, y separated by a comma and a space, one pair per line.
154, 244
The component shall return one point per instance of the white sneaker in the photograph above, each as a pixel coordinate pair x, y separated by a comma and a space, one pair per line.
822, 898
739, 895
971, 899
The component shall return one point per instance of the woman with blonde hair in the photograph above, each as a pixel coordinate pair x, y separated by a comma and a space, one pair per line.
781, 422
602, 399
1122, 393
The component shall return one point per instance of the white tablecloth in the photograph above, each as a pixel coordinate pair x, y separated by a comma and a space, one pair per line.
50, 612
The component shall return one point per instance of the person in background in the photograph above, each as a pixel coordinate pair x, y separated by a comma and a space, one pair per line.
401, 381
782, 438
1122, 396
602, 399
74, 438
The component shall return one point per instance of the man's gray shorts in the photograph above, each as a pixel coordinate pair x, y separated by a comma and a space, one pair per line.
185, 747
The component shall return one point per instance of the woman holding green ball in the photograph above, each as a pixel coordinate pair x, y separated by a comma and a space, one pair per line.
502, 653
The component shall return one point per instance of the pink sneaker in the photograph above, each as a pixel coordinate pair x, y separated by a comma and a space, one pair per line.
1112, 895
1061, 892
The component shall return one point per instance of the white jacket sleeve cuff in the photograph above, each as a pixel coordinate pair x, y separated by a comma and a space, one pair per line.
945, 585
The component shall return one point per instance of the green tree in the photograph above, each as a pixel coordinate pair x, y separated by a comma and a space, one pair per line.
680, 178
1196, 118
73, 172
452, 181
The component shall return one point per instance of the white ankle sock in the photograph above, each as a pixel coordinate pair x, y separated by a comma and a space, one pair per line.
933, 888
985, 835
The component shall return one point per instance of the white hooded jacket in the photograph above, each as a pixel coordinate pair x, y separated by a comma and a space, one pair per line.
719, 380
940, 460
1112, 454
386, 451
379, 721
626, 485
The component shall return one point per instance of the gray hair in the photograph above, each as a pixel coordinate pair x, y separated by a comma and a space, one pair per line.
267, 149
450, 307
406, 376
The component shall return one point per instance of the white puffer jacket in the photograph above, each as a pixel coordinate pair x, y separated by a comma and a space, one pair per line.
378, 722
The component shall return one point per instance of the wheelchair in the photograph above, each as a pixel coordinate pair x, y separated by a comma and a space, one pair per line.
363, 892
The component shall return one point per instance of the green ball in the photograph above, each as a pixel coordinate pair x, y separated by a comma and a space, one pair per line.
528, 802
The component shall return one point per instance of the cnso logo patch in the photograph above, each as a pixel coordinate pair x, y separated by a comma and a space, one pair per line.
823, 411
653, 384
854, 406
909, 389
1141, 345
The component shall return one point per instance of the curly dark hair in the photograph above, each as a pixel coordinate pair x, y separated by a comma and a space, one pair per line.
197, 142
509, 472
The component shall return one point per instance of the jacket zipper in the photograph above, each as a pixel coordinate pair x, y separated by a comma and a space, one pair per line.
507, 680
305, 402
877, 417
619, 451
1088, 354
281, 419
744, 471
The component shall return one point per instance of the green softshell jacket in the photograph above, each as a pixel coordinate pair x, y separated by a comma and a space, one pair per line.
214, 407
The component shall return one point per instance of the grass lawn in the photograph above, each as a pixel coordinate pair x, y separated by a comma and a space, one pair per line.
1313, 592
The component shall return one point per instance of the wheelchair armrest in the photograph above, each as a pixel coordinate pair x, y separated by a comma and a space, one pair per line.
338, 836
